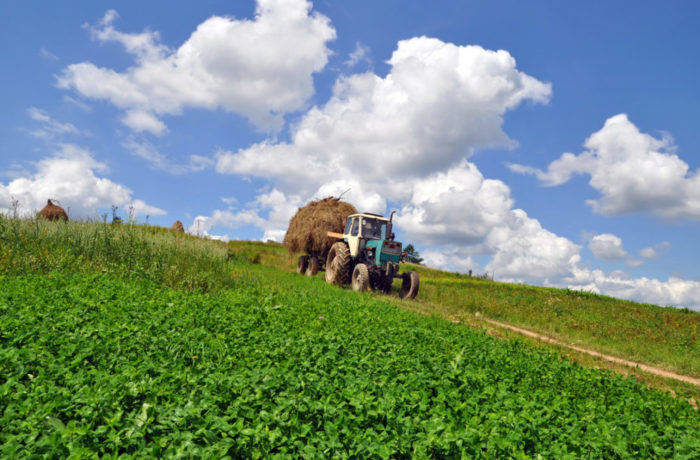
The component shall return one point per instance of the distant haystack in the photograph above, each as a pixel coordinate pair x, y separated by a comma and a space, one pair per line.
53, 212
178, 227
307, 229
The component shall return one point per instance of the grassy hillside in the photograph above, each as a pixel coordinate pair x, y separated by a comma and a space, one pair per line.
668, 338
140, 341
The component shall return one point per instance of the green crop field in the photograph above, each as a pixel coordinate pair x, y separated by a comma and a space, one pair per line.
668, 338
135, 341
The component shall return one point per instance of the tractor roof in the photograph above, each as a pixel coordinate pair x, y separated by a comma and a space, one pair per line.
370, 215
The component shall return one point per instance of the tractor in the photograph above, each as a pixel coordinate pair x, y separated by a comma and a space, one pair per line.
368, 256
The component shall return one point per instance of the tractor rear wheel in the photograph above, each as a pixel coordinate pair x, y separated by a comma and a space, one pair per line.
312, 268
409, 285
360, 278
301, 264
338, 264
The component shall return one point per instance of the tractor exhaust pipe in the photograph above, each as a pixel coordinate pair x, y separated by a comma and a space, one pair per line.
390, 227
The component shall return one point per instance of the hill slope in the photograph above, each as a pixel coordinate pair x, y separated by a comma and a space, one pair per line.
130, 340
668, 337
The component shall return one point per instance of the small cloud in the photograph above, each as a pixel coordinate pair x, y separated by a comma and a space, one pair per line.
78, 103
109, 17
47, 55
160, 161
361, 53
15, 171
633, 263
653, 252
140, 121
663, 246
50, 127
607, 247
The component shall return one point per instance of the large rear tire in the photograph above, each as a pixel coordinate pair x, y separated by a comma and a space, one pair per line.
409, 285
360, 278
312, 268
338, 264
301, 264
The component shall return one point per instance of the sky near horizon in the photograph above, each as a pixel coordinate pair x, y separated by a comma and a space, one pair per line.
551, 143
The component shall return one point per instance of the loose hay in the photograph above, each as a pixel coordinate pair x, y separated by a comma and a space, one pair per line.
178, 227
307, 229
53, 212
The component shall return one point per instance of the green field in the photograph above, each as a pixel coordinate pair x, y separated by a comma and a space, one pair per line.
668, 338
120, 340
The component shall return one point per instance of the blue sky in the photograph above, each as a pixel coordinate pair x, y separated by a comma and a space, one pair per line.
552, 143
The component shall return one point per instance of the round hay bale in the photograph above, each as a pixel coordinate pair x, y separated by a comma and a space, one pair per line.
53, 212
307, 229
178, 227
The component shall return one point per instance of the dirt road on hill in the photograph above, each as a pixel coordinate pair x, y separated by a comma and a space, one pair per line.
544, 338
644, 367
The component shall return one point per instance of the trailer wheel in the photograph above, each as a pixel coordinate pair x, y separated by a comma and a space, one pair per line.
409, 285
338, 264
301, 264
313, 265
360, 278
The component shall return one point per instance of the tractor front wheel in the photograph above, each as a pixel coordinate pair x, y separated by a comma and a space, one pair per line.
301, 264
409, 285
360, 278
338, 264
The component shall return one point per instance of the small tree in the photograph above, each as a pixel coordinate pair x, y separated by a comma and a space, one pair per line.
412, 255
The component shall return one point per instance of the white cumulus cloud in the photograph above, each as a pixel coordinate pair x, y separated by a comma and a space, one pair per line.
524, 251
607, 246
260, 68
71, 176
437, 105
458, 206
674, 291
633, 171
270, 211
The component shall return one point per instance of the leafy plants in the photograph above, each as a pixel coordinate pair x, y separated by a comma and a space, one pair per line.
125, 361
95, 365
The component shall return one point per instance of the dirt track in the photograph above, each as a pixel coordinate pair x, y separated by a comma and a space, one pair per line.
644, 367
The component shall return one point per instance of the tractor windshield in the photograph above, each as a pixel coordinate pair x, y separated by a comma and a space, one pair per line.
373, 229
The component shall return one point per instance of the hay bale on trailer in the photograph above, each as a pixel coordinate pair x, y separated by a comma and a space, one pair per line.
178, 227
308, 231
53, 212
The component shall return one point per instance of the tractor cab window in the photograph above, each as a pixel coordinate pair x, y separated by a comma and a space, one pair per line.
348, 224
355, 227
372, 229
